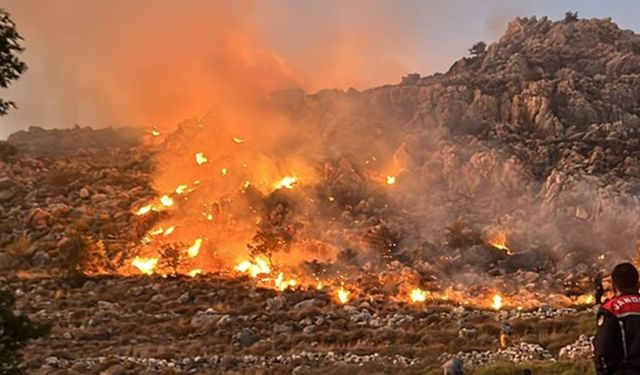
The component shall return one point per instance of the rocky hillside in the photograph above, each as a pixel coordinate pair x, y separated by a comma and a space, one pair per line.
540, 129
58, 185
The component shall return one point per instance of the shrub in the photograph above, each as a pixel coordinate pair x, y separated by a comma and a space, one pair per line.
14, 333
478, 49
75, 256
570, 17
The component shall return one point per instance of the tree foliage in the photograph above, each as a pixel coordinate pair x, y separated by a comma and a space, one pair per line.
478, 49
15, 330
570, 16
11, 67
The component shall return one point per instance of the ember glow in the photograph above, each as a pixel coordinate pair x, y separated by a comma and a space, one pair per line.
418, 295
282, 284
497, 302
343, 295
166, 201
144, 210
194, 250
287, 182
244, 266
145, 265
260, 266
586, 299
194, 272
499, 241
182, 188
200, 158
391, 180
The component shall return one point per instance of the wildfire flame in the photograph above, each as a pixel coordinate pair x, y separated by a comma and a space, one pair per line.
155, 133
200, 158
391, 180
182, 188
587, 299
194, 272
169, 230
243, 266
261, 266
343, 295
145, 265
497, 302
499, 241
166, 201
281, 284
288, 183
238, 140
144, 210
418, 295
194, 250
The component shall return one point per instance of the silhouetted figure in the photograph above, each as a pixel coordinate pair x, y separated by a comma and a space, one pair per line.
617, 341
453, 367
505, 335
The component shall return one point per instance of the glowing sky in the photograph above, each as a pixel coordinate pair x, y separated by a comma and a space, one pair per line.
77, 72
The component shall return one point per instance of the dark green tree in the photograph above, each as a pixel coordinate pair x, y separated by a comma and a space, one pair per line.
15, 330
570, 17
11, 67
478, 49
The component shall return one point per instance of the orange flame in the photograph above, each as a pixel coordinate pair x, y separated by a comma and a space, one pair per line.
497, 302
243, 266
155, 232
418, 295
166, 201
194, 250
145, 265
343, 295
200, 158
182, 188
499, 241
287, 182
391, 180
260, 267
194, 272
586, 299
144, 210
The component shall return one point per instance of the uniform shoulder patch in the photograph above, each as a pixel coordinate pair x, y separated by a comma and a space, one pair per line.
601, 320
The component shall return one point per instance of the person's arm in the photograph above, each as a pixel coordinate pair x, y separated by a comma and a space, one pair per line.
607, 344
599, 289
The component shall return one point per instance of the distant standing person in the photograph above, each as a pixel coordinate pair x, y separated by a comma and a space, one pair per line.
617, 341
453, 367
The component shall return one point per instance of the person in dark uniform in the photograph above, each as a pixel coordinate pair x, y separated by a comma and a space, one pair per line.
617, 341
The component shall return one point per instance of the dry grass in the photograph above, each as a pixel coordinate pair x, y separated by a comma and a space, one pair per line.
19, 248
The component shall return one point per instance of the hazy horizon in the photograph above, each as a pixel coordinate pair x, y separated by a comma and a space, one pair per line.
147, 63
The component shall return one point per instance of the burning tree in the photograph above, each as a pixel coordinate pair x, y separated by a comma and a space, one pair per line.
274, 234
10, 65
